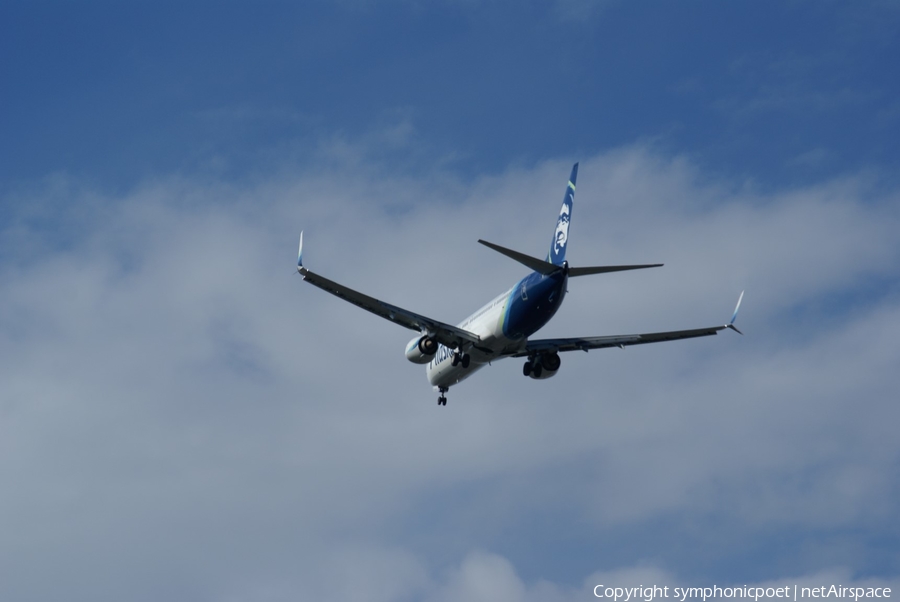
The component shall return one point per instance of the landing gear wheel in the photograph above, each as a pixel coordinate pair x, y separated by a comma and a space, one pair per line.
526, 369
458, 358
442, 400
537, 369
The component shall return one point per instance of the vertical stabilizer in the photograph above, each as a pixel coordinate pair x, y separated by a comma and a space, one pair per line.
557, 253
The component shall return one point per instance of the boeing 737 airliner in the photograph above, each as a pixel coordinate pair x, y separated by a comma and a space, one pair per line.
501, 328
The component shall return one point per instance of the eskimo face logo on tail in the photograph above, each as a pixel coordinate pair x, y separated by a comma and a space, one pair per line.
562, 229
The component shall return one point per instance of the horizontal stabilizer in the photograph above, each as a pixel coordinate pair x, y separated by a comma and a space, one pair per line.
538, 265
546, 268
603, 269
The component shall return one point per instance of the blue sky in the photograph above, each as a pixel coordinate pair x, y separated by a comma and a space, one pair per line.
777, 92
182, 418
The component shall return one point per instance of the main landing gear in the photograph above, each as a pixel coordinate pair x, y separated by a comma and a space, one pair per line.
460, 358
442, 400
532, 366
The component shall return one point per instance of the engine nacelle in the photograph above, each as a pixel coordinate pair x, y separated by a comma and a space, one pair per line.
421, 349
543, 366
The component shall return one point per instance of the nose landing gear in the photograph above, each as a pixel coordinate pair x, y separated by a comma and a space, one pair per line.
442, 400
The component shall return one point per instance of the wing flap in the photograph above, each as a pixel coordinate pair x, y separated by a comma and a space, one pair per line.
588, 343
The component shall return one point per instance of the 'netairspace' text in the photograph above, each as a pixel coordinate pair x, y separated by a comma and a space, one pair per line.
649, 593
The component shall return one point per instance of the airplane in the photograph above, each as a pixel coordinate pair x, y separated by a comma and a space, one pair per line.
501, 328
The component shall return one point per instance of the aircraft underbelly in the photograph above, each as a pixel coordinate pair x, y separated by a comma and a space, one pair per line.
447, 375
442, 373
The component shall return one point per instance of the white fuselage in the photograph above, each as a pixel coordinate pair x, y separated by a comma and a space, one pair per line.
502, 326
487, 323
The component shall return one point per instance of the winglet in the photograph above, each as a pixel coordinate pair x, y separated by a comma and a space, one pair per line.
300, 254
734, 315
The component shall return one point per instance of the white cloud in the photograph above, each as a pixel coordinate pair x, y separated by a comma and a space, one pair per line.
483, 578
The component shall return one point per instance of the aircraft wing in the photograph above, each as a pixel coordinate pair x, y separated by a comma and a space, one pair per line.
624, 340
588, 343
445, 334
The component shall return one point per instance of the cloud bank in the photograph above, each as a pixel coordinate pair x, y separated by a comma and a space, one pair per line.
182, 417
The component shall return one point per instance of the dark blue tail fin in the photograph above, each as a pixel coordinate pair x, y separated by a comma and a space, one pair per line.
557, 253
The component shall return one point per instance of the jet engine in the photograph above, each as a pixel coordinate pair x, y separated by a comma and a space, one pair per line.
542, 366
421, 349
